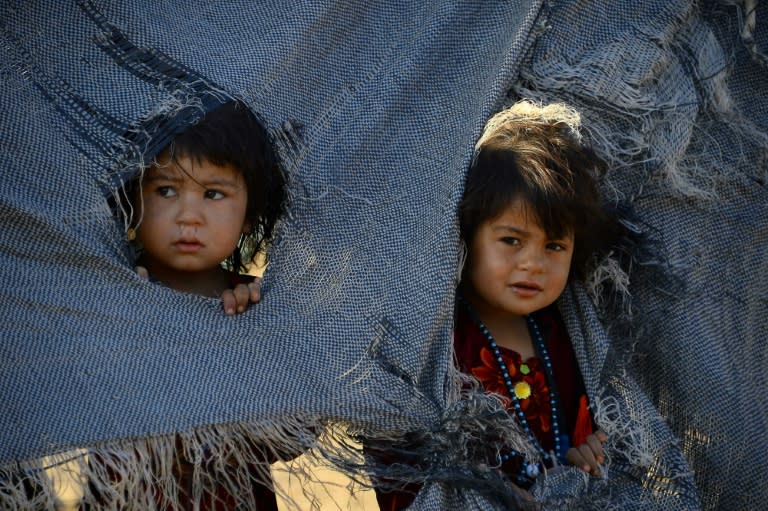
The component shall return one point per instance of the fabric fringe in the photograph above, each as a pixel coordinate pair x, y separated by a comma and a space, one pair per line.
461, 452
214, 467
218, 467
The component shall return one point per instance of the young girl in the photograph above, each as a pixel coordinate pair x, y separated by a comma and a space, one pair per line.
201, 212
211, 197
531, 219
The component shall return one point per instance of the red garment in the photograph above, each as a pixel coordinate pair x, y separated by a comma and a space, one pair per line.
474, 357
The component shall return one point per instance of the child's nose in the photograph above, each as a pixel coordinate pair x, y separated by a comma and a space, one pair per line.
531, 259
190, 210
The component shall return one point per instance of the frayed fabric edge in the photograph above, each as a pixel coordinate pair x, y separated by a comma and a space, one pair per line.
208, 467
229, 466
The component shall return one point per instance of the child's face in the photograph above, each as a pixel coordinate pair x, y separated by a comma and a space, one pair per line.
192, 218
513, 266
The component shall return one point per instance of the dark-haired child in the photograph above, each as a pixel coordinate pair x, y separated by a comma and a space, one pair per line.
532, 220
212, 196
201, 212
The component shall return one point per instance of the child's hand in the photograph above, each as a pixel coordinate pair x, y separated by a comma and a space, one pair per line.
234, 300
589, 455
237, 300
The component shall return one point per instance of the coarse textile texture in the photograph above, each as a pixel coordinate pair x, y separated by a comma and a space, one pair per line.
674, 95
375, 108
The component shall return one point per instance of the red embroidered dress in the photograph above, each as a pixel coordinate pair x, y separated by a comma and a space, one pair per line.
474, 357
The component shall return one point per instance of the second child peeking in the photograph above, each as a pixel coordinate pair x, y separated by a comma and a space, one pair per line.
207, 206
532, 221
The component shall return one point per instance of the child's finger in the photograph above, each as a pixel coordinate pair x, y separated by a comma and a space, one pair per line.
601, 435
242, 294
255, 290
597, 447
583, 458
574, 457
228, 300
589, 457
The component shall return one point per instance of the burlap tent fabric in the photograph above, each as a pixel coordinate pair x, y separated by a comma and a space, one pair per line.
375, 108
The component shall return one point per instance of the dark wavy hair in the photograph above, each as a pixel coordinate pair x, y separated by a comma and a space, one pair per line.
535, 153
232, 134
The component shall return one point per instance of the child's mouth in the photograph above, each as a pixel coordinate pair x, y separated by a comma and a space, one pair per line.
188, 247
526, 288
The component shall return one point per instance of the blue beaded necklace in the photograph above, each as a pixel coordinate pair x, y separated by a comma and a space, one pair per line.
528, 470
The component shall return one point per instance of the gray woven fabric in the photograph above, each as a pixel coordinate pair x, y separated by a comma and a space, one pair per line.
384, 102
674, 94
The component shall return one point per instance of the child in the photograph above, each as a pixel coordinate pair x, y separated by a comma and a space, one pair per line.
532, 220
202, 211
211, 197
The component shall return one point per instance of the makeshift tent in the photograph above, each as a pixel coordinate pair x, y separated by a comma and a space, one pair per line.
375, 107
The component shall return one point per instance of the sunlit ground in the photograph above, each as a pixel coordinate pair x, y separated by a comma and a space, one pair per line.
329, 490
305, 484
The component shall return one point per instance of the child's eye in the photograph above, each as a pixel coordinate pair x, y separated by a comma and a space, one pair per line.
510, 240
214, 194
558, 247
166, 191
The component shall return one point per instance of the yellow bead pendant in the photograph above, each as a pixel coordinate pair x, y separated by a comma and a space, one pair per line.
522, 390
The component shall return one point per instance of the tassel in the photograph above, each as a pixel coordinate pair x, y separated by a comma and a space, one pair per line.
583, 422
